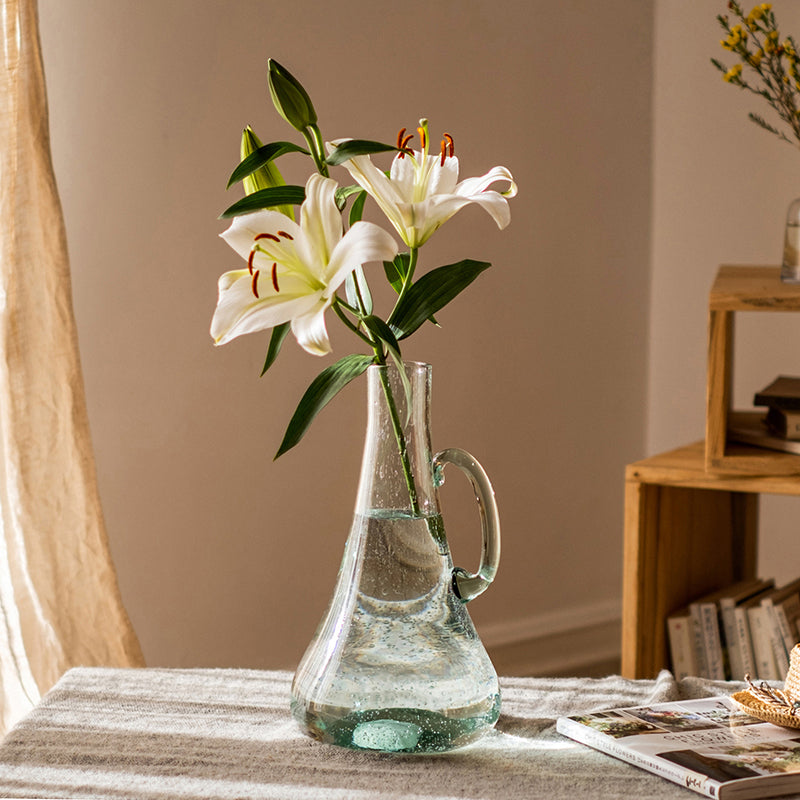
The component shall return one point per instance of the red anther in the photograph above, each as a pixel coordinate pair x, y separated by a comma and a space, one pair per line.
422, 139
400, 145
267, 236
285, 235
275, 277
250, 260
451, 145
403, 145
444, 153
254, 284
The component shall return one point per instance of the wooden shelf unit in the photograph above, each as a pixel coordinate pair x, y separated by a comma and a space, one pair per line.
691, 514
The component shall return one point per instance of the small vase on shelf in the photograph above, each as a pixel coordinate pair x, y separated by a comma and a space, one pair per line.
790, 266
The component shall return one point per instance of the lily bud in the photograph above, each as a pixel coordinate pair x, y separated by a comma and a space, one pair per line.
290, 98
265, 177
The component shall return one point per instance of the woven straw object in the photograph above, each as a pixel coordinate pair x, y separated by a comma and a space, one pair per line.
773, 705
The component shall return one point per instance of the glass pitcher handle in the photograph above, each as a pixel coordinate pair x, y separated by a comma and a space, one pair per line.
469, 585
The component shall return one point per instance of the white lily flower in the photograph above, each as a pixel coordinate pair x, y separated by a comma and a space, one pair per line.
422, 191
293, 271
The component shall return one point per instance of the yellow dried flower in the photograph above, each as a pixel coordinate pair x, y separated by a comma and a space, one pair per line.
755, 58
733, 73
758, 12
771, 43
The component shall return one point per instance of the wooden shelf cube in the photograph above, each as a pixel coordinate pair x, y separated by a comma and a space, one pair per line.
738, 288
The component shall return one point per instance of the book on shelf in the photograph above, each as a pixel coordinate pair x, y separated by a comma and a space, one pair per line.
736, 632
749, 428
784, 424
698, 639
783, 611
706, 745
680, 634
761, 636
783, 392
744, 638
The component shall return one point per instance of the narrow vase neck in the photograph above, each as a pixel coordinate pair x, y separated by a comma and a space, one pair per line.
396, 469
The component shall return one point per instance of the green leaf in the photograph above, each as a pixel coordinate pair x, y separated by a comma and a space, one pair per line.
276, 340
263, 155
380, 329
357, 209
357, 290
321, 391
357, 147
266, 198
397, 270
431, 293
343, 192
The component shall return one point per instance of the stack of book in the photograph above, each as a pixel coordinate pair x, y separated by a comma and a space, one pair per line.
780, 427
747, 628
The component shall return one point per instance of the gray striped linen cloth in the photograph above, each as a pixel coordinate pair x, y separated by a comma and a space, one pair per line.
154, 734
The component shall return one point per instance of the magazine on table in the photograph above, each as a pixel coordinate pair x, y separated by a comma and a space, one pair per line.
706, 745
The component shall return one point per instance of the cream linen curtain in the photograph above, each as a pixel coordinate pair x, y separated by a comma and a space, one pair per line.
59, 601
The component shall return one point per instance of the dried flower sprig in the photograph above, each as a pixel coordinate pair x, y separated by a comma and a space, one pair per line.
772, 697
769, 65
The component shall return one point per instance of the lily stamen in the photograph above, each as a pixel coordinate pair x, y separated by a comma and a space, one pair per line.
254, 283
286, 235
402, 143
444, 153
275, 277
422, 139
451, 145
271, 236
250, 260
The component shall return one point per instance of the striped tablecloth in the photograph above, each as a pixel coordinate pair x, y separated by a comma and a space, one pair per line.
169, 733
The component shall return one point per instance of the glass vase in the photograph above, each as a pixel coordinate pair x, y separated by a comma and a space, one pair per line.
396, 664
790, 264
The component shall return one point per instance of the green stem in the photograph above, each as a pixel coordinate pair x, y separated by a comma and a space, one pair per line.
409, 277
313, 138
400, 438
407, 280
339, 306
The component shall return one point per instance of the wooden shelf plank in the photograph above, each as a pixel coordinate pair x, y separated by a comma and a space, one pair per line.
752, 288
745, 470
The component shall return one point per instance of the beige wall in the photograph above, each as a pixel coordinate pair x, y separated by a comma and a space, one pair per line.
226, 558
721, 189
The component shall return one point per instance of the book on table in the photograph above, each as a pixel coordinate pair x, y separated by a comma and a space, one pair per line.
706, 745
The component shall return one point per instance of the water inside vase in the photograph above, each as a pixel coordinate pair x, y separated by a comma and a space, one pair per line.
396, 664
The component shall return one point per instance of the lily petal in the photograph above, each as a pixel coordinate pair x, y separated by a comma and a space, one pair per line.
364, 242
310, 331
243, 230
239, 311
320, 220
470, 187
